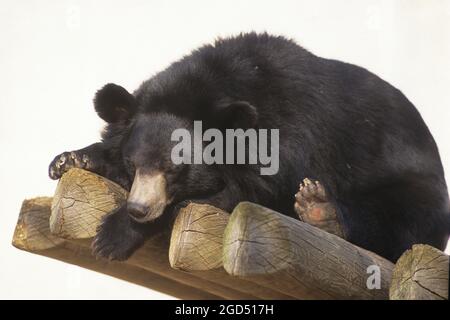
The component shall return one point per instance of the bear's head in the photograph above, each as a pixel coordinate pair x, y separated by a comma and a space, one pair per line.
147, 147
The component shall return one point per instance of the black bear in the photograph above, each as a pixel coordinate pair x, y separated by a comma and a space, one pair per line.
338, 124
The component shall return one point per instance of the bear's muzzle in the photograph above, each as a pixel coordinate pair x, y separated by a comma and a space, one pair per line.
148, 196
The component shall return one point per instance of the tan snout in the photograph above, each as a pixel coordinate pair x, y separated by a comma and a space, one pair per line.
148, 196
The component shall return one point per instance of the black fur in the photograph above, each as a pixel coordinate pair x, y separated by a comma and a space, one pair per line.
339, 124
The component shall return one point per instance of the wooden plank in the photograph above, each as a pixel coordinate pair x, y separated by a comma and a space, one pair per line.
298, 259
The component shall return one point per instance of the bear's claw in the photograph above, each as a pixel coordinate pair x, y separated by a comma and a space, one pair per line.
65, 161
313, 207
311, 191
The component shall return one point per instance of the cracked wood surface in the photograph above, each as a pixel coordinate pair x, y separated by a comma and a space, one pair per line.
82, 199
301, 260
255, 254
197, 236
32, 234
196, 246
421, 273
92, 196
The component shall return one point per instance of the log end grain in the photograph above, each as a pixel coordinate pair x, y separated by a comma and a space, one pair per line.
83, 193
32, 230
421, 273
197, 237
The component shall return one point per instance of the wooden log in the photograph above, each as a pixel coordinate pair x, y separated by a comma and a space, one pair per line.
75, 222
80, 194
196, 246
153, 256
421, 273
298, 259
32, 234
80, 217
197, 236
83, 198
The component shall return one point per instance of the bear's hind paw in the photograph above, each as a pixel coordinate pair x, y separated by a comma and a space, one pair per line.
313, 207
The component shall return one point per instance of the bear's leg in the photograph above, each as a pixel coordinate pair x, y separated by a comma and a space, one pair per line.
89, 158
95, 158
389, 218
313, 207
118, 236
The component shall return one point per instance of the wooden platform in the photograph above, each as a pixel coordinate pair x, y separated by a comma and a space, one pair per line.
254, 253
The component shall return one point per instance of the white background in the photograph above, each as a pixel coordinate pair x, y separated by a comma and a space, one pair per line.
55, 54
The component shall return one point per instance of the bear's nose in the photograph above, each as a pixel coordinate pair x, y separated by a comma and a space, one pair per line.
137, 211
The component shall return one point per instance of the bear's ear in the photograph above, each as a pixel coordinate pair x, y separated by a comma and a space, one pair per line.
114, 103
238, 114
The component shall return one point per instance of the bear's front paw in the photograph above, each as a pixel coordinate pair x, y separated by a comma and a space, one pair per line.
65, 161
117, 237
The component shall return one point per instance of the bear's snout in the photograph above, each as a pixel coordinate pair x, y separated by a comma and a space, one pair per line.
148, 196
138, 212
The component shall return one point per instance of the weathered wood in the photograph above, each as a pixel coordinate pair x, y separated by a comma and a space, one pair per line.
82, 214
298, 259
196, 246
197, 236
153, 256
32, 234
80, 200
274, 256
421, 273
81, 204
